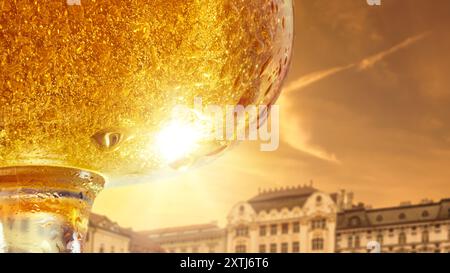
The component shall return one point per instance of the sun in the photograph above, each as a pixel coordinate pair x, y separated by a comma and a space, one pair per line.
177, 140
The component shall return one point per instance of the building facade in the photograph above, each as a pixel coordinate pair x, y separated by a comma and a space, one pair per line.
409, 228
205, 238
300, 219
304, 219
106, 236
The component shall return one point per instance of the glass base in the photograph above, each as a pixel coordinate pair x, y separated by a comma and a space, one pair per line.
45, 209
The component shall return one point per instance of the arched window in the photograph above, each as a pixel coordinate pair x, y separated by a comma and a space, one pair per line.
242, 209
402, 238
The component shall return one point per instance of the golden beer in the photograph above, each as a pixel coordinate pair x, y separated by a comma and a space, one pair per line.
91, 84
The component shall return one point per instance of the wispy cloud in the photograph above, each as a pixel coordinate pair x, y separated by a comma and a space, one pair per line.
372, 60
297, 137
313, 77
366, 63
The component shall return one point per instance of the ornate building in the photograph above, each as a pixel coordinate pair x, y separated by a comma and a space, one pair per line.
300, 219
304, 219
408, 228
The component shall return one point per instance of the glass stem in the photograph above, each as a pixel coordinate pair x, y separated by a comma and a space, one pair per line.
45, 209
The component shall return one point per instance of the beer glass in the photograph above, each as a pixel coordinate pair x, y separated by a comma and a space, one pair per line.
87, 92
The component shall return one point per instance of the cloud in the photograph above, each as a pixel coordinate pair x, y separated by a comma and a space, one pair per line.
313, 77
372, 60
296, 136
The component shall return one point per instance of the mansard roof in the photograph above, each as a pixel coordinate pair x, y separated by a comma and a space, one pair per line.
281, 198
361, 217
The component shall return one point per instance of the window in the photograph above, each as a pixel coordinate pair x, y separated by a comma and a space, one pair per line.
296, 247
296, 227
379, 218
101, 249
402, 216
262, 248
357, 241
319, 199
380, 238
317, 244
262, 230
350, 241
241, 248
355, 221
285, 228
318, 223
425, 237
284, 248
402, 238
391, 232
241, 209
113, 249
273, 230
242, 231
437, 228
273, 248
425, 214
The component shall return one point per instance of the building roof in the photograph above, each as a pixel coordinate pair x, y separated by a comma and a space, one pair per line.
281, 198
185, 233
103, 222
181, 229
361, 217
138, 242
142, 244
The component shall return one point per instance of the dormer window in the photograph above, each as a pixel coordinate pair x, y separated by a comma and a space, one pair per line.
379, 218
355, 221
241, 209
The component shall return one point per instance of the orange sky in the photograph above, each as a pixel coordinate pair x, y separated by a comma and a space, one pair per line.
367, 111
